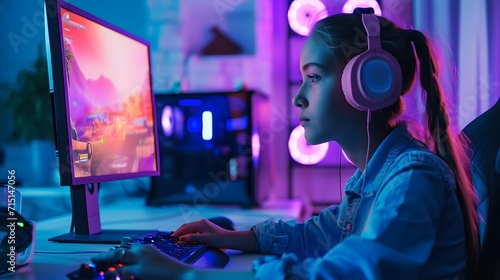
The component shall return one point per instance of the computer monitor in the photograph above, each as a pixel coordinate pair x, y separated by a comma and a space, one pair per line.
104, 113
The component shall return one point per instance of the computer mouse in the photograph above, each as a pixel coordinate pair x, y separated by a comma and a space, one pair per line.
223, 222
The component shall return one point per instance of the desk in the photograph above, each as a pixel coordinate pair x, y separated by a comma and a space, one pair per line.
55, 260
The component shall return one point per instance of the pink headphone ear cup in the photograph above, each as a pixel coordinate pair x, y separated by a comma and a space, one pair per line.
372, 80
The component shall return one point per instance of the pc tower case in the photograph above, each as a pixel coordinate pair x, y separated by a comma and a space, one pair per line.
214, 149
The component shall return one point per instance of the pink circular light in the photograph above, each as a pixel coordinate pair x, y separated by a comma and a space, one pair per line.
350, 5
302, 152
302, 12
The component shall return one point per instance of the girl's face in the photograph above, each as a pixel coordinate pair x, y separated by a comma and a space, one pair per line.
324, 111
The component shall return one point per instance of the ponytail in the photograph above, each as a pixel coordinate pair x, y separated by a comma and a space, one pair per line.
446, 145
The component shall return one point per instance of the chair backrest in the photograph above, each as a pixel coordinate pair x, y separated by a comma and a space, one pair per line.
484, 135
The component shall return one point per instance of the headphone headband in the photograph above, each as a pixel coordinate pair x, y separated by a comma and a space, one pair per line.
372, 27
362, 11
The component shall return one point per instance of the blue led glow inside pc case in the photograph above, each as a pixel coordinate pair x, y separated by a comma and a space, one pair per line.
214, 149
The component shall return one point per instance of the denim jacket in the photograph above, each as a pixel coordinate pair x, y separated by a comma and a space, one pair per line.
405, 222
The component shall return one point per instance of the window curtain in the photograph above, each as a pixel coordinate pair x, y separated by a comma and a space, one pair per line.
468, 34
493, 10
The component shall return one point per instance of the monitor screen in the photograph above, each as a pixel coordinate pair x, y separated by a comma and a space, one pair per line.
104, 112
108, 100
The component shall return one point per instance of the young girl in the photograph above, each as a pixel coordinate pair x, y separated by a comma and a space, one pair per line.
409, 209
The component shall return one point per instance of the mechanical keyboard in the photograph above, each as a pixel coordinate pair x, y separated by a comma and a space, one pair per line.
198, 255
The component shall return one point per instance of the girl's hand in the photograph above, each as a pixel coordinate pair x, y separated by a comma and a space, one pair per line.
203, 231
144, 262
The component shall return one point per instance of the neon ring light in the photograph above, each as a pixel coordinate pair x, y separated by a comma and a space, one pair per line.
302, 12
350, 5
302, 152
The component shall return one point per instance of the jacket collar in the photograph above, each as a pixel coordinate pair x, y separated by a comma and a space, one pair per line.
379, 163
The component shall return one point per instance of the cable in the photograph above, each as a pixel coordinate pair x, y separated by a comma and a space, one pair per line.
368, 118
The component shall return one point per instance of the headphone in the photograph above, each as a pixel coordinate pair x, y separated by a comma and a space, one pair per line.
373, 79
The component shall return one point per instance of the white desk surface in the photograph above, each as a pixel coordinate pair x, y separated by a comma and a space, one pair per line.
54, 260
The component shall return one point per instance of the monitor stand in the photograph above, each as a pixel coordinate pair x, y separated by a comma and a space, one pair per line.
87, 221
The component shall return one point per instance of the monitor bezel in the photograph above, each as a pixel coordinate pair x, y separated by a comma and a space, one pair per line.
59, 92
